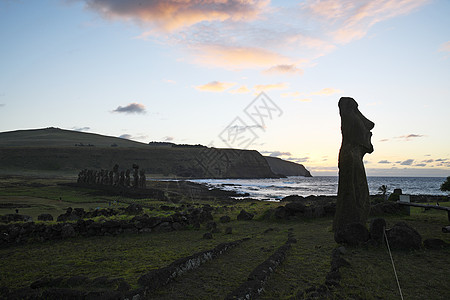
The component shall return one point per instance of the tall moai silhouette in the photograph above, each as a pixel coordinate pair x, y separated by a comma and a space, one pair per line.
353, 192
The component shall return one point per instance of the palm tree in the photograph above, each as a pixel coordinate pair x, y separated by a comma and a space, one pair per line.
446, 185
383, 189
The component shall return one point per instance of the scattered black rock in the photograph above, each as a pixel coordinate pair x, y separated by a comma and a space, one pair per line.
45, 217
376, 229
245, 216
134, 209
80, 213
8, 218
403, 237
435, 244
293, 198
280, 212
225, 219
207, 236
294, 208
211, 225
386, 208
311, 207
67, 231
352, 234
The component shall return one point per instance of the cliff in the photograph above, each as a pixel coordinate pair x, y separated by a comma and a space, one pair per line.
286, 168
54, 149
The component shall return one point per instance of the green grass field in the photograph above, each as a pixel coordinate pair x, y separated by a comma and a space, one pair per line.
423, 274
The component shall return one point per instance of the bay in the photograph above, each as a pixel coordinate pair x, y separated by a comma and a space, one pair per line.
276, 189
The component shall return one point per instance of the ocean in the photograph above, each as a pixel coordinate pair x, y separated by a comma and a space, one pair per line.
276, 189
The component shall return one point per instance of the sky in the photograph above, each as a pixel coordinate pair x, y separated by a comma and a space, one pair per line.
263, 75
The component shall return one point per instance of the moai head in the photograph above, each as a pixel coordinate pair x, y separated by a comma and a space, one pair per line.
355, 126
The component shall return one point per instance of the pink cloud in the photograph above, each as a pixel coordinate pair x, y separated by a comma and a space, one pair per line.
170, 15
231, 57
284, 69
350, 20
215, 86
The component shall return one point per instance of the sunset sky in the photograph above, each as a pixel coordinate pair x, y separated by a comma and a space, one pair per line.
189, 71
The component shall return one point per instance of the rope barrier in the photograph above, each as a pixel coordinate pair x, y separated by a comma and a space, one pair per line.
392, 261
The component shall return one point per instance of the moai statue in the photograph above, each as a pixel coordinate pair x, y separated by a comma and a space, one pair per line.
99, 177
135, 176
142, 179
81, 176
127, 178
105, 177
91, 176
110, 178
122, 178
352, 204
115, 175
84, 179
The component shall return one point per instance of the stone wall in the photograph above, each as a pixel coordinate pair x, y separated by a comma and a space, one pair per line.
19, 233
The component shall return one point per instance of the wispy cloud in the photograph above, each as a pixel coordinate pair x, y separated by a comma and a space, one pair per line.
168, 138
407, 162
237, 34
384, 162
272, 86
445, 47
81, 128
305, 97
347, 20
237, 57
408, 137
139, 137
284, 69
276, 153
215, 86
240, 90
132, 108
326, 92
298, 159
2, 104
291, 94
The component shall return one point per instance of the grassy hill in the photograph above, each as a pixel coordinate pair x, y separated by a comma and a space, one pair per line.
55, 137
67, 151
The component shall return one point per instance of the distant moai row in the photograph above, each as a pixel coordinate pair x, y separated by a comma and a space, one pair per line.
114, 177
